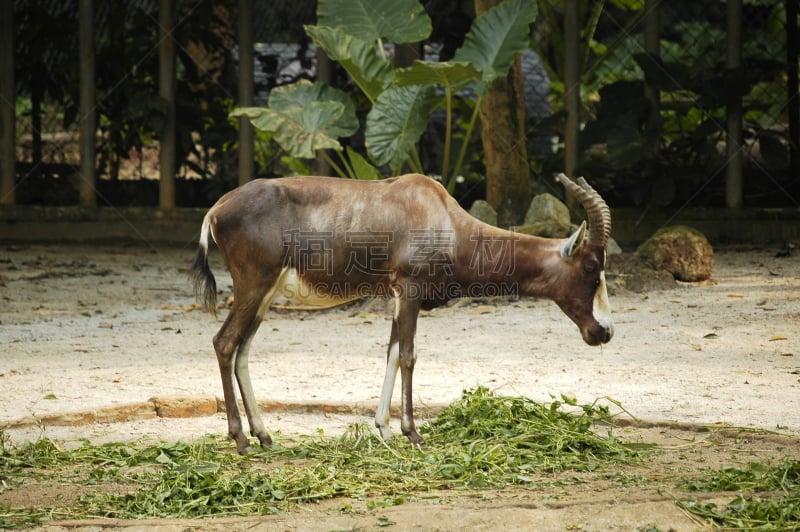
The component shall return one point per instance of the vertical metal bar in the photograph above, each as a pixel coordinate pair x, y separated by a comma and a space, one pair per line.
246, 91
652, 45
88, 189
8, 141
793, 107
572, 85
166, 89
733, 144
325, 75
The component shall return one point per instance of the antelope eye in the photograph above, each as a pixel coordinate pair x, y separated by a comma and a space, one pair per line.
590, 267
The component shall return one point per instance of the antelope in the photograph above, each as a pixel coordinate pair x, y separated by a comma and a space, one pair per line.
404, 237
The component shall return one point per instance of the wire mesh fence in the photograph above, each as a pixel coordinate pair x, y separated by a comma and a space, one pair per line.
654, 96
659, 80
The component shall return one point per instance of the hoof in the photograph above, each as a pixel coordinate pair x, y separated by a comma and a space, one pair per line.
242, 443
386, 432
415, 438
264, 439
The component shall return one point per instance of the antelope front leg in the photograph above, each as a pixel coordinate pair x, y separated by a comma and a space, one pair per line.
407, 425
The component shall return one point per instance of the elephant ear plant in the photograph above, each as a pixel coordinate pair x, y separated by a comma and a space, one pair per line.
306, 117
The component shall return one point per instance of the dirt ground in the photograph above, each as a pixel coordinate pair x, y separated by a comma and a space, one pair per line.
87, 329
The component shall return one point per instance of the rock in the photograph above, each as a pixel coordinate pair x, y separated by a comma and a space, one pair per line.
547, 229
612, 248
546, 207
484, 212
629, 272
683, 251
547, 216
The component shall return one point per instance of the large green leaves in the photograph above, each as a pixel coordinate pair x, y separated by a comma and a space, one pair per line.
305, 117
358, 57
453, 76
496, 36
302, 93
396, 122
361, 167
450, 74
399, 21
299, 131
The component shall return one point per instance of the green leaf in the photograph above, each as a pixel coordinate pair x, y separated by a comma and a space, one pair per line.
496, 36
299, 131
385, 521
358, 57
299, 95
164, 459
663, 75
396, 122
362, 168
305, 117
629, 5
399, 21
450, 74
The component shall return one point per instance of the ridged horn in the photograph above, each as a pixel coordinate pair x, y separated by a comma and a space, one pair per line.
596, 208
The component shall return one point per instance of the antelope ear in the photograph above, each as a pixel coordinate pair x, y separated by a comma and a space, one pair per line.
574, 242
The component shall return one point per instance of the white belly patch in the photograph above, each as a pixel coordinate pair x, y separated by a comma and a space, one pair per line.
294, 294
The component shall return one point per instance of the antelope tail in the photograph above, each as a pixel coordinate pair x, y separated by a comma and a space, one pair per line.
205, 286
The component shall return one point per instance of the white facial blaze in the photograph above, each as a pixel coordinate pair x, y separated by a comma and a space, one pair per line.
601, 308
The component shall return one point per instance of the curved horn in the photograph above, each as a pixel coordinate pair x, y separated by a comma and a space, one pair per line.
596, 208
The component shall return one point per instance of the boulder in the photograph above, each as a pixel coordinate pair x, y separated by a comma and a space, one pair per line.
547, 229
484, 212
546, 207
683, 251
550, 229
612, 248
547, 216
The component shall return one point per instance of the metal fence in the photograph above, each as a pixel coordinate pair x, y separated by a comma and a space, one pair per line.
680, 102
690, 102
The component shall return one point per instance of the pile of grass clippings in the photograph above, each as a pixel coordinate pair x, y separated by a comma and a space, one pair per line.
769, 498
487, 433
481, 441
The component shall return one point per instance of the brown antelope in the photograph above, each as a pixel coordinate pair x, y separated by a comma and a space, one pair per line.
402, 237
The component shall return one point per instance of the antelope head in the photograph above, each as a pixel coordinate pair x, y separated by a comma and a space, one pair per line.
581, 291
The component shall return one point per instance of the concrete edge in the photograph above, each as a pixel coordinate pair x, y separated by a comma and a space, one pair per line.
177, 406
190, 407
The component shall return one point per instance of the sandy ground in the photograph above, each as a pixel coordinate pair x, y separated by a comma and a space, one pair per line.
83, 328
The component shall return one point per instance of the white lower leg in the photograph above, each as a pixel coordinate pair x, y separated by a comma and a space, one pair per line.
384, 406
248, 396
243, 372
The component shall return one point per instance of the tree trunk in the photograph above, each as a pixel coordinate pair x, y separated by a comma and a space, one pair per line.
502, 112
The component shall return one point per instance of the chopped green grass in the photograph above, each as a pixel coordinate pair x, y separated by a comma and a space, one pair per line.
481, 441
756, 477
770, 498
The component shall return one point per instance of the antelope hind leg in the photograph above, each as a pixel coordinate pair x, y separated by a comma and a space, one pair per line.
242, 372
382, 415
